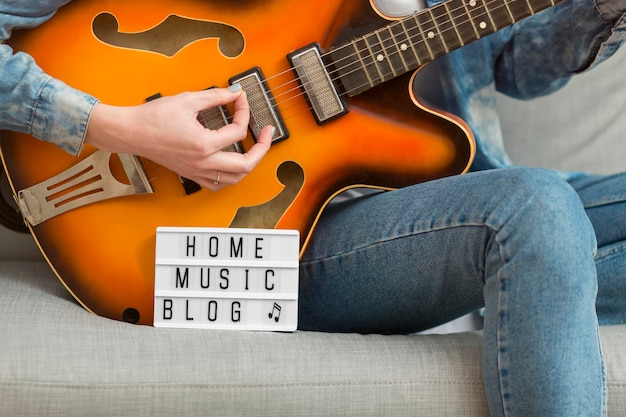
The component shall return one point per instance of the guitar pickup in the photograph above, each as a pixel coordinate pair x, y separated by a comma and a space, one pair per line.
215, 118
316, 84
263, 109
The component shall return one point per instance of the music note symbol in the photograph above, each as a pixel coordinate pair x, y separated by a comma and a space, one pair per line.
275, 313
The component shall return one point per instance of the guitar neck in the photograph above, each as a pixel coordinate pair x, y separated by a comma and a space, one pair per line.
418, 39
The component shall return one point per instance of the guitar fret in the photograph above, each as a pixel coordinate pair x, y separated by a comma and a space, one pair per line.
443, 21
417, 40
420, 38
508, 9
470, 20
379, 57
530, 8
367, 61
432, 42
392, 51
451, 22
482, 20
519, 9
406, 51
500, 15
351, 69
438, 32
462, 21
537, 5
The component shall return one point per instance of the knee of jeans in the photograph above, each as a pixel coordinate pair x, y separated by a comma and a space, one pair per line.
546, 230
545, 204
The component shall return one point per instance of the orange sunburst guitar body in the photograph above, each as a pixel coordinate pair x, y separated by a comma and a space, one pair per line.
104, 252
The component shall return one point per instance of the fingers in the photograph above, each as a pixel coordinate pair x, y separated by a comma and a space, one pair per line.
244, 162
230, 133
228, 168
215, 96
237, 129
219, 180
221, 169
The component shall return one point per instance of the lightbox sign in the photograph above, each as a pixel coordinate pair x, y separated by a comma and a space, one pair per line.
222, 278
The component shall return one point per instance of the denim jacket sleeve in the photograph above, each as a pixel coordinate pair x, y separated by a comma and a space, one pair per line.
535, 56
539, 54
32, 101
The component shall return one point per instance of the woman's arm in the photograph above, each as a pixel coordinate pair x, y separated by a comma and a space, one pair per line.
165, 130
539, 54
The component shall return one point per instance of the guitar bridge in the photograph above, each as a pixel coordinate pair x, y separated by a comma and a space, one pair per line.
87, 182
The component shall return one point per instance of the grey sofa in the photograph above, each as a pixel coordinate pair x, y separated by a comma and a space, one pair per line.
58, 360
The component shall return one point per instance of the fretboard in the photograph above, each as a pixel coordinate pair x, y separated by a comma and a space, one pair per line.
407, 44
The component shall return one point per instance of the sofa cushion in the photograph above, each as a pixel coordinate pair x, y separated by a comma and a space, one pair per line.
551, 123
58, 359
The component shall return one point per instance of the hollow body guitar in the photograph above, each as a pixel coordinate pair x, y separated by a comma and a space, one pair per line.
334, 77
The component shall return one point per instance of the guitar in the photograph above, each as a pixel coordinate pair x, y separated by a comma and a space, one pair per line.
334, 77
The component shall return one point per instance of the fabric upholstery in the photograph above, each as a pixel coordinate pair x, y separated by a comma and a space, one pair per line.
59, 360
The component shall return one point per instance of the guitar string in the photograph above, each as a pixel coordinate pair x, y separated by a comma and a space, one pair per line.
421, 40
421, 36
389, 53
153, 168
393, 54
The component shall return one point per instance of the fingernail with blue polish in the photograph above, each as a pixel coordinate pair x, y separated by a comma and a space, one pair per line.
235, 88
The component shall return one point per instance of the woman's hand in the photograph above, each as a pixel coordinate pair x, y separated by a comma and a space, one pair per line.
167, 132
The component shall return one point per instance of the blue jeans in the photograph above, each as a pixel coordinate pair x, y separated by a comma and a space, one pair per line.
517, 242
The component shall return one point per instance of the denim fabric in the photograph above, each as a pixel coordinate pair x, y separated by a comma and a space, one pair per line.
522, 243
534, 57
30, 100
517, 241
604, 199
